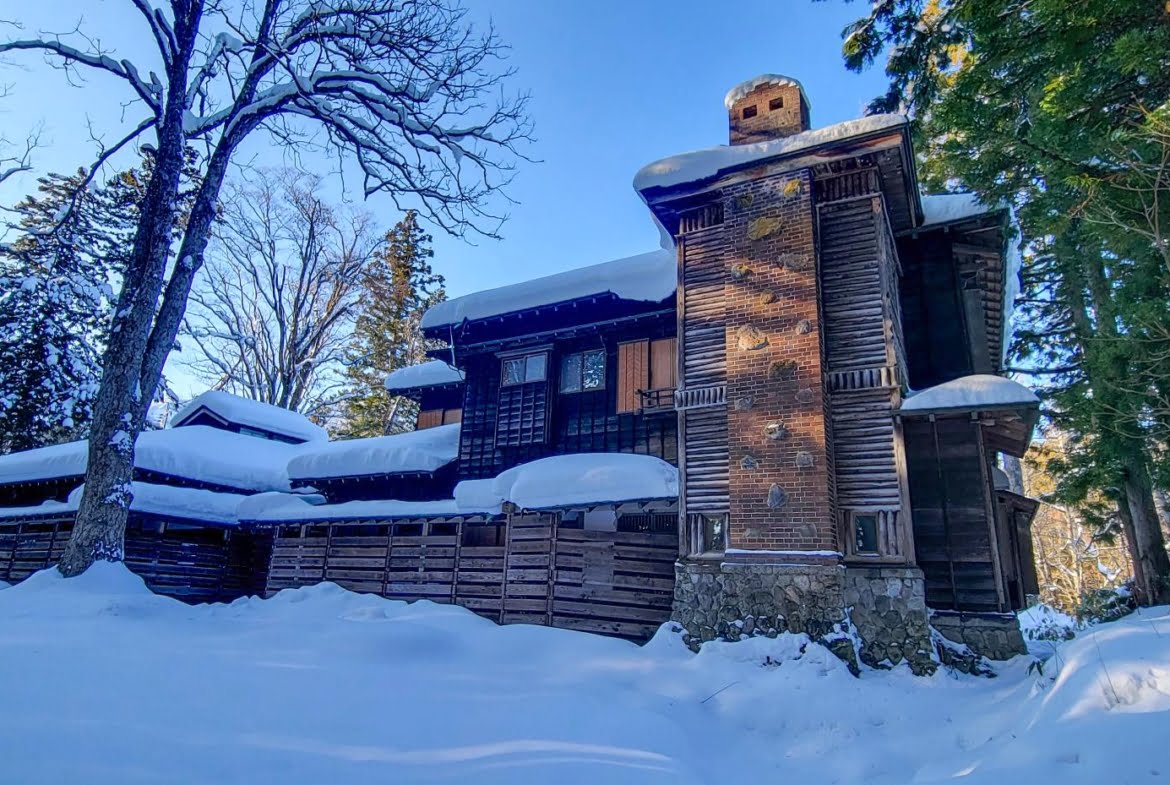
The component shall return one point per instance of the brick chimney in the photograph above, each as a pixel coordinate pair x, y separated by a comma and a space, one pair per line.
770, 106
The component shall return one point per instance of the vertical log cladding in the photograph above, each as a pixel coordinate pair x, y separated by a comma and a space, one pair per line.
781, 499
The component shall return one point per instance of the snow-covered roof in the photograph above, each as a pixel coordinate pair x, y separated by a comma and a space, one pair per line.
702, 164
975, 392
283, 507
576, 479
742, 89
163, 500
947, 208
648, 277
194, 452
252, 414
430, 374
425, 450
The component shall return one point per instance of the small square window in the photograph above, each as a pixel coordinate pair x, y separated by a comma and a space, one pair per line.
583, 371
708, 532
749, 112
866, 532
776, 103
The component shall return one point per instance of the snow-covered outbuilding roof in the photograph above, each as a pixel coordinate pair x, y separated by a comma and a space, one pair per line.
712, 161
165, 501
745, 87
971, 393
258, 416
194, 452
426, 450
435, 373
648, 277
573, 480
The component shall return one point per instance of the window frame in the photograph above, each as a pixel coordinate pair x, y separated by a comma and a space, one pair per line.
697, 524
581, 388
748, 112
526, 357
854, 540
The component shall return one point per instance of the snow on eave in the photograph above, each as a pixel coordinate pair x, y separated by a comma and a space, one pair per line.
194, 452
744, 88
252, 414
712, 161
196, 505
943, 209
282, 508
435, 373
415, 452
971, 393
565, 481
647, 277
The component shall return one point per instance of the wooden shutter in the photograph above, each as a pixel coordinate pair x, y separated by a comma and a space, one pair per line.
664, 364
452, 415
429, 418
633, 375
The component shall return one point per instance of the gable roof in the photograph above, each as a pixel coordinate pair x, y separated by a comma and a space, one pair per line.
648, 277
250, 414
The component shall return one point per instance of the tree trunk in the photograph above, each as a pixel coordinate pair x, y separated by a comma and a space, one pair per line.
1149, 545
119, 408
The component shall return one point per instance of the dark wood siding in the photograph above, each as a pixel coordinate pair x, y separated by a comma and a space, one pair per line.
933, 317
586, 421
949, 494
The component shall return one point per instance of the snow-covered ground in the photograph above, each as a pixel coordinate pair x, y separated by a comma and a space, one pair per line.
103, 683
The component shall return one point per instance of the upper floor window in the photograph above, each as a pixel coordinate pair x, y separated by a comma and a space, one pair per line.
583, 371
525, 368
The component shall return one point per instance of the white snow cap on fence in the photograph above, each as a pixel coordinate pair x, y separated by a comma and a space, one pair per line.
742, 89
416, 451
701, 164
195, 504
567, 480
193, 452
648, 277
431, 374
971, 392
253, 414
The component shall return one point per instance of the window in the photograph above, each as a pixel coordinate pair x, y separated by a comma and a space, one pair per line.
708, 533
526, 368
583, 371
749, 112
776, 103
865, 532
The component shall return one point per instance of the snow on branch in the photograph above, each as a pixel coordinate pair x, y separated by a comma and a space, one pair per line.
411, 90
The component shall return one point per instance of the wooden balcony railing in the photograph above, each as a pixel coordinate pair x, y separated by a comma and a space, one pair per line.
659, 400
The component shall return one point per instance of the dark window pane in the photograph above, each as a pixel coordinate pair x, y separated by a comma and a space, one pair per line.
593, 371
571, 373
867, 535
513, 372
536, 370
714, 533
749, 112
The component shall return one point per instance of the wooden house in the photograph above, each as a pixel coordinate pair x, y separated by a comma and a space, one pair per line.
787, 418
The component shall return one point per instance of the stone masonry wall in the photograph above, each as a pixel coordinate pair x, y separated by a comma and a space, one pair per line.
888, 608
995, 636
779, 469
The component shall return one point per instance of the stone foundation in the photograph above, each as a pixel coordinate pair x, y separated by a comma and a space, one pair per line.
888, 608
995, 636
732, 599
727, 600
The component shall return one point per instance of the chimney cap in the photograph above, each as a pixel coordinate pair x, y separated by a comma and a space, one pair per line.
741, 90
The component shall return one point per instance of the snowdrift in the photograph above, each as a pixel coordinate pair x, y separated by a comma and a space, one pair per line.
108, 684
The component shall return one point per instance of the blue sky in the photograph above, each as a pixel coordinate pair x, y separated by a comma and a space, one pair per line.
614, 86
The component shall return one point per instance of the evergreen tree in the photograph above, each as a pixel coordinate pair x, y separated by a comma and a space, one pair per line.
399, 286
55, 300
1025, 102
